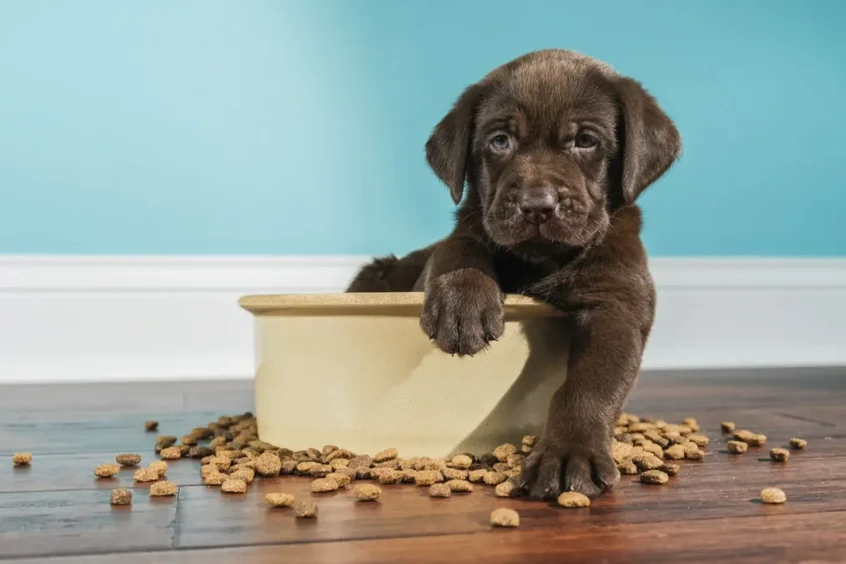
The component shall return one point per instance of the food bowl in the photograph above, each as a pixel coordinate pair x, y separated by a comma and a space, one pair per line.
356, 370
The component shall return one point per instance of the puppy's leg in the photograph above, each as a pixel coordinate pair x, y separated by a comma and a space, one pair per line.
574, 452
391, 274
462, 310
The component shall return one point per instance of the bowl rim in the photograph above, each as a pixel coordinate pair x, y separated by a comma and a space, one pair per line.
373, 303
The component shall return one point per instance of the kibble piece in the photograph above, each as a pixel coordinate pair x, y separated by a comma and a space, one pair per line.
313, 454
127, 459
279, 499
798, 443
163, 489
171, 453
675, 452
391, 476
342, 480
288, 466
159, 467
528, 443
515, 460
737, 447
698, 440
670, 469
107, 470
691, 422
121, 496
151, 425
146, 475
428, 477
501, 467
504, 517
627, 468
573, 499
693, 452
305, 467
164, 441
245, 474
338, 463
215, 479
652, 448
727, 426
410, 476
323, 485
461, 461
462, 486
758, 440
773, 496
477, 475
502, 452
268, 464
367, 492
505, 489
21, 458
455, 474
654, 477
305, 510
385, 455
495, 478
200, 452
362, 462
217, 442
779, 454
744, 435
234, 485
647, 461
189, 440
440, 490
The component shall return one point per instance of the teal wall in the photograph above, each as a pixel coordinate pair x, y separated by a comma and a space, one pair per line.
263, 127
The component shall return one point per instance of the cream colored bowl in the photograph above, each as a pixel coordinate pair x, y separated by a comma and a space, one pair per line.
356, 370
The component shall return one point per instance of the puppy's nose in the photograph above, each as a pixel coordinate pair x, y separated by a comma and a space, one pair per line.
537, 204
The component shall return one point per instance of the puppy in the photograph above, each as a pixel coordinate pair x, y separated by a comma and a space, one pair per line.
554, 149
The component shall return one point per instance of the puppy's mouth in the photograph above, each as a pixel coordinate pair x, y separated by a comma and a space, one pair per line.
515, 231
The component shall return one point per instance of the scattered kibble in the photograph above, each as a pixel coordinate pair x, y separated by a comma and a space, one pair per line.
127, 459
171, 453
779, 454
150, 426
279, 499
773, 496
502, 452
758, 440
146, 475
427, 477
234, 485
727, 426
737, 447
670, 469
163, 489
305, 510
647, 461
107, 470
343, 480
654, 477
477, 475
461, 486
385, 455
505, 489
504, 517
454, 474
22, 458
268, 464
121, 496
675, 452
159, 467
215, 479
244, 474
440, 490
367, 492
575, 499
323, 485
461, 461
798, 443
628, 468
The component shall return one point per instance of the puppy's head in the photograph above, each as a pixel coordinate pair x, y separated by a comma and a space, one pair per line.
550, 145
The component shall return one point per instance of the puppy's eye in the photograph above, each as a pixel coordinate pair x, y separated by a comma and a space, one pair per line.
586, 141
500, 143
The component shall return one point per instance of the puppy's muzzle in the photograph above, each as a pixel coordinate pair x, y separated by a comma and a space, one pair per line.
538, 204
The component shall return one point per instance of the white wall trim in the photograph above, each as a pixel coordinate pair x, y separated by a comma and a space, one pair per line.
113, 318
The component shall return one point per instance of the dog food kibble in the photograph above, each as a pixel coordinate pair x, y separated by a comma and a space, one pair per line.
21, 458
798, 443
495, 478
171, 453
146, 475
163, 489
107, 470
151, 425
727, 426
627, 468
164, 441
670, 469
319, 470
454, 474
694, 453
440, 490
233, 485
323, 485
675, 452
215, 479
737, 447
428, 477
647, 461
385, 455
502, 452
245, 474
461, 486
268, 464
367, 492
159, 467
128, 459
758, 440
121, 496
305, 510
504, 517
461, 461
773, 496
342, 480
528, 443
698, 440
279, 499
620, 451
189, 440
573, 499
505, 489
200, 452
654, 449
779, 454
654, 477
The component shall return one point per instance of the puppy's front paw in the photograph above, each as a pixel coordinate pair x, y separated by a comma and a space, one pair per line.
554, 468
462, 311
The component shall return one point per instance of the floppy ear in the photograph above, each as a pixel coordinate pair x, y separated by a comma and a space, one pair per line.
650, 143
449, 146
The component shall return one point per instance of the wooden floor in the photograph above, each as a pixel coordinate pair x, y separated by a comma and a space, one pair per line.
57, 511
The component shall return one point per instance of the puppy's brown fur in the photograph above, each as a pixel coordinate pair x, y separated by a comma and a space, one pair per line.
554, 148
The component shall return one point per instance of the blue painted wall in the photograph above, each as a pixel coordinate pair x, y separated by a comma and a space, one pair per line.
258, 127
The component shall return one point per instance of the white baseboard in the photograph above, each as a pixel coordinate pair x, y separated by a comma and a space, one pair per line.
161, 318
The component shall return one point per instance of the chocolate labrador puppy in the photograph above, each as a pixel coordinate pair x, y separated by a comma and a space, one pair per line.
554, 148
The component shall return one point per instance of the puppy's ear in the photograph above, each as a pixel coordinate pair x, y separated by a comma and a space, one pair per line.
649, 143
448, 148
